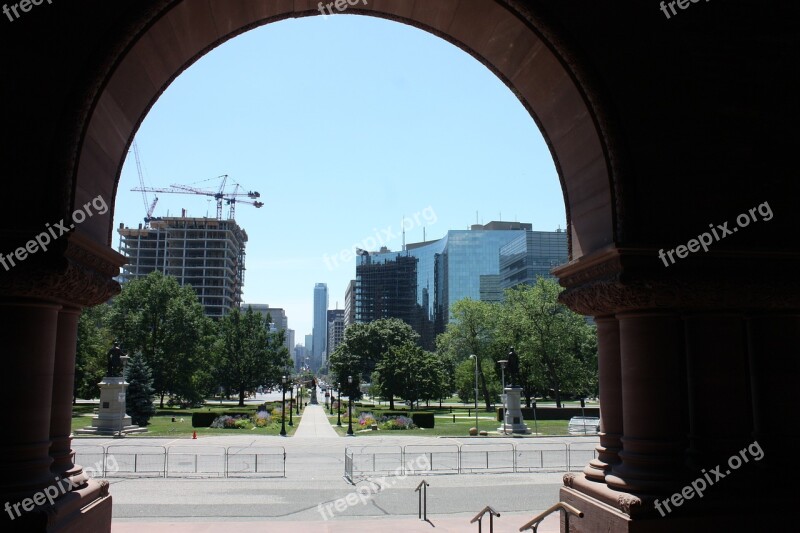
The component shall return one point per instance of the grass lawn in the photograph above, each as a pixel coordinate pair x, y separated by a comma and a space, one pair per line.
445, 427
162, 425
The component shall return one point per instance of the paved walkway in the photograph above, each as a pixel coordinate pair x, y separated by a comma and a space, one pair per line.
315, 424
506, 523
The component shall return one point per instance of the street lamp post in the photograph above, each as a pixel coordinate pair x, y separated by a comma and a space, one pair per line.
299, 397
503, 363
350, 406
339, 405
291, 404
473, 356
283, 406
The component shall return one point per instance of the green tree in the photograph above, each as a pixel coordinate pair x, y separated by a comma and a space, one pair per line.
472, 331
139, 397
364, 347
94, 340
411, 373
557, 347
165, 322
248, 355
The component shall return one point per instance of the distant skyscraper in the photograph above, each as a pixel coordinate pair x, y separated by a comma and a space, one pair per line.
320, 330
335, 329
350, 304
309, 340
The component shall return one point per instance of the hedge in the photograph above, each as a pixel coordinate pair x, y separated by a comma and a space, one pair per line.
423, 419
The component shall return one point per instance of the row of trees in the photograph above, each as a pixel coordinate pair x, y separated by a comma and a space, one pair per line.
557, 351
190, 355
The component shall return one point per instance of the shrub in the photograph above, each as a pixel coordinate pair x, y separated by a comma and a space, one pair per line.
366, 420
231, 422
262, 419
400, 422
423, 419
203, 420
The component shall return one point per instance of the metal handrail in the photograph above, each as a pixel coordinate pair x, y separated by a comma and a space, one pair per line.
567, 508
423, 500
479, 518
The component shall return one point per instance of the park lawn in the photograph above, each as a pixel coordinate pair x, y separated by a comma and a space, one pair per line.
162, 425
445, 427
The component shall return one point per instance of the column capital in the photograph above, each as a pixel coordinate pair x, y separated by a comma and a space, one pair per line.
75, 270
615, 280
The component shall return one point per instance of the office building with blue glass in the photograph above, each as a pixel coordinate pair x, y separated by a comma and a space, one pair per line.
531, 255
438, 273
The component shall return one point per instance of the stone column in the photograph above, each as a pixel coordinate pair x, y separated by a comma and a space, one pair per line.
63, 386
39, 312
654, 399
28, 340
610, 375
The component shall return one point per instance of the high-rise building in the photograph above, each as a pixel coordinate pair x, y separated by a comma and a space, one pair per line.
420, 284
309, 340
320, 328
206, 253
532, 255
350, 303
335, 329
276, 316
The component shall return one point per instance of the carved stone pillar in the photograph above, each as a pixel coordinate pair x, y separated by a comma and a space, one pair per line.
39, 312
63, 386
708, 365
610, 375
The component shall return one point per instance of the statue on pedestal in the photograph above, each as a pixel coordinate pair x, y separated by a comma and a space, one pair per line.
115, 361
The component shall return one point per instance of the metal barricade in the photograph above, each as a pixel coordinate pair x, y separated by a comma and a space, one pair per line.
195, 461
91, 457
579, 454
541, 457
255, 461
135, 460
431, 459
493, 457
360, 460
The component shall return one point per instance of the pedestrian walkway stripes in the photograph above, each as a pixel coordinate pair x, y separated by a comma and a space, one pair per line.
314, 423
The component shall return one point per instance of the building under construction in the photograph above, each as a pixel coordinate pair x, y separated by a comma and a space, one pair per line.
206, 253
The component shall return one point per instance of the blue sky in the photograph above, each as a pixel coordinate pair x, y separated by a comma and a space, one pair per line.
345, 125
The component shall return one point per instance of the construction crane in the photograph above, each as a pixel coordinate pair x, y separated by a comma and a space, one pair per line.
149, 207
219, 195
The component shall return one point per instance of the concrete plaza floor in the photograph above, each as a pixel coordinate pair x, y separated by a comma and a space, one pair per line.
305, 499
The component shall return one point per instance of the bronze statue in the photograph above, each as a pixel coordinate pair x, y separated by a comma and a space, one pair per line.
115, 355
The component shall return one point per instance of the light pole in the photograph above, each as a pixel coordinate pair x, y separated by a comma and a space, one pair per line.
299, 397
339, 405
503, 363
350, 406
291, 404
283, 406
473, 356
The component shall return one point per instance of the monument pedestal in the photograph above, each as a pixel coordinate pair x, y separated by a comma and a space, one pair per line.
512, 413
111, 418
314, 400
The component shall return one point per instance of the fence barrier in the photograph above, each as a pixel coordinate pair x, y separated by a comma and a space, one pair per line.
136, 460
491, 457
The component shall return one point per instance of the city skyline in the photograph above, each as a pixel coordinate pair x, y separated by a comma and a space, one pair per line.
435, 143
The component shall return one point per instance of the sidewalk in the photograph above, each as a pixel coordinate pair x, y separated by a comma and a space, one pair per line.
506, 523
314, 424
